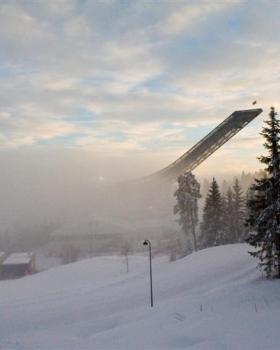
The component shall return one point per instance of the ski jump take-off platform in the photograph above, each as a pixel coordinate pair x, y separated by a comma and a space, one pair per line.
206, 146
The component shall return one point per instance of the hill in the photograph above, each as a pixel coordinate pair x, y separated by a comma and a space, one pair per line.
212, 299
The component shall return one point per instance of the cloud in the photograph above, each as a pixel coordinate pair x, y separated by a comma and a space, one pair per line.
27, 129
131, 76
60, 84
191, 15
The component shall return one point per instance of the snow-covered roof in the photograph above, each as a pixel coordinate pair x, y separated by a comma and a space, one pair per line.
18, 258
2, 255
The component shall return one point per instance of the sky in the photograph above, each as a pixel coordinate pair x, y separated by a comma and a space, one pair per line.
128, 86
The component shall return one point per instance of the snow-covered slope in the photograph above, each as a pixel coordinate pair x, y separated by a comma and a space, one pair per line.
212, 299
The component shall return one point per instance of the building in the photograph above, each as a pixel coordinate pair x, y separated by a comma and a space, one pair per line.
89, 237
18, 265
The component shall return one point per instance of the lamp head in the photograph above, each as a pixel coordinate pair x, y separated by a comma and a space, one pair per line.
145, 242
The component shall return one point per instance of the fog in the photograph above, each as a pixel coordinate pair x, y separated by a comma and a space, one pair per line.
57, 185
64, 190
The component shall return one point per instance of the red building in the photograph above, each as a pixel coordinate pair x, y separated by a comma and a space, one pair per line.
18, 265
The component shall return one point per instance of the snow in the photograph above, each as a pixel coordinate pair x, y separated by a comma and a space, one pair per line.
18, 258
213, 299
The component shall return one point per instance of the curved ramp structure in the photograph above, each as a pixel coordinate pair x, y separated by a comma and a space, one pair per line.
207, 146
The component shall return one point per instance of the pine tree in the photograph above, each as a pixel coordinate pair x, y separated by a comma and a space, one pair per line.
187, 195
238, 213
212, 226
228, 217
205, 188
234, 214
223, 238
224, 187
264, 203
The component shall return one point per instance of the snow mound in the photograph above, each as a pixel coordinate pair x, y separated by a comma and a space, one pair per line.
212, 299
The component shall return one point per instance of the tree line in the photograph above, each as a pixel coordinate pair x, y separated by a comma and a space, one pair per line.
223, 215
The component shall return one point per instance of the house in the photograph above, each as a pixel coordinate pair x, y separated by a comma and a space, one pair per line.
18, 265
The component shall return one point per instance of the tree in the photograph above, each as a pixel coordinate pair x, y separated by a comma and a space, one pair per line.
212, 226
187, 195
125, 250
234, 214
205, 188
238, 212
224, 188
229, 217
264, 203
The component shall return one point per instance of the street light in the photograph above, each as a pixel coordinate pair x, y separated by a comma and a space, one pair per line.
148, 243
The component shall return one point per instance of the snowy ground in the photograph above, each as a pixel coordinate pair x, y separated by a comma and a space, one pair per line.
213, 299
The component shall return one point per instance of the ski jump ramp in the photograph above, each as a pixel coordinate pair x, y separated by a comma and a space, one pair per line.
206, 146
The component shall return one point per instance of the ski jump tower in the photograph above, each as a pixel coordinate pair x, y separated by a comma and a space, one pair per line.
206, 146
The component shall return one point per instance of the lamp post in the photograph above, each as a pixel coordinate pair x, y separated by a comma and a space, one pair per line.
148, 243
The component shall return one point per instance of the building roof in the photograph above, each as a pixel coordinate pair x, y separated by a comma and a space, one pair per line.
18, 258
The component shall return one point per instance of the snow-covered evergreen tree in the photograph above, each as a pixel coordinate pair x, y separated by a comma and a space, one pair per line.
264, 203
205, 188
234, 214
238, 212
224, 187
212, 227
187, 195
228, 217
